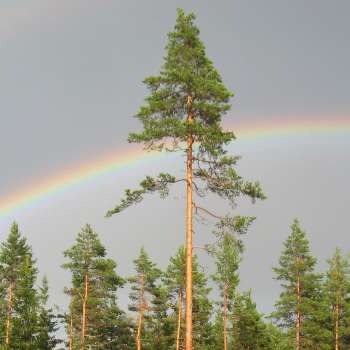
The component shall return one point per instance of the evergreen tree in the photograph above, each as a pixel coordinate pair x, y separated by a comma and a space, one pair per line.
183, 113
217, 331
280, 340
337, 298
175, 282
47, 321
142, 295
300, 296
249, 330
93, 294
19, 306
227, 256
160, 325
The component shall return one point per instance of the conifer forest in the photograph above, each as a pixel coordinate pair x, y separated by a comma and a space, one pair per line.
185, 305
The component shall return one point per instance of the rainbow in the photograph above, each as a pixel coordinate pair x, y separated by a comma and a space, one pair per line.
129, 156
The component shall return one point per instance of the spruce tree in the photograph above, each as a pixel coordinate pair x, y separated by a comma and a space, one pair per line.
183, 113
300, 296
93, 293
337, 298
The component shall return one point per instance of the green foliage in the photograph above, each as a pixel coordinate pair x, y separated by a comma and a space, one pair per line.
188, 84
148, 185
47, 321
336, 290
32, 325
296, 263
147, 297
186, 72
249, 330
174, 282
106, 323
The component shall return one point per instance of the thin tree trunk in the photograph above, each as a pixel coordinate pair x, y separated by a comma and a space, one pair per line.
189, 232
298, 316
84, 318
71, 332
141, 307
225, 318
9, 315
179, 317
337, 322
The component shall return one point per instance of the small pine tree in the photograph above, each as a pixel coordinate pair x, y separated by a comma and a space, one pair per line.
249, 330
93, 292
300, 296
143, 289
337, 298
227, 254
47, 321
18, 276
175, 282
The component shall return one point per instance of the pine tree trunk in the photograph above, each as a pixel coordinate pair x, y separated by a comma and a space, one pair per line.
298, 316
84, 317
9, 315
141, 307
189, 232
225, 318
337, 322
71, 332
179, 317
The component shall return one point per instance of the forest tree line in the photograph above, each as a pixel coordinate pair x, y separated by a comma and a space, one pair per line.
312, 312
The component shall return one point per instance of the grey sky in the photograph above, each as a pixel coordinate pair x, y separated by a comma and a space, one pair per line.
71, 75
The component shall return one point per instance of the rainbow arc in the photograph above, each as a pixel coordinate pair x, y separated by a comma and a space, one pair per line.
127, 157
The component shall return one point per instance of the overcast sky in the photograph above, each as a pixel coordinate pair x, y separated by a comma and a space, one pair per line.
70, 81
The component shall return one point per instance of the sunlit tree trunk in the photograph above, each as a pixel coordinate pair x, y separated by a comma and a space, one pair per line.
179, 317
189, 233
141, 310
84, 317
9, 315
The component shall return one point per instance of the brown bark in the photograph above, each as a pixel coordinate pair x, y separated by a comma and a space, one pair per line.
225, 318
179, 317
85, 315
141, 310
298, 314
9, 315
189, 232
337, 307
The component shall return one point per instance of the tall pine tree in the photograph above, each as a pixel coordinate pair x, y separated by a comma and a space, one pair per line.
183, 113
